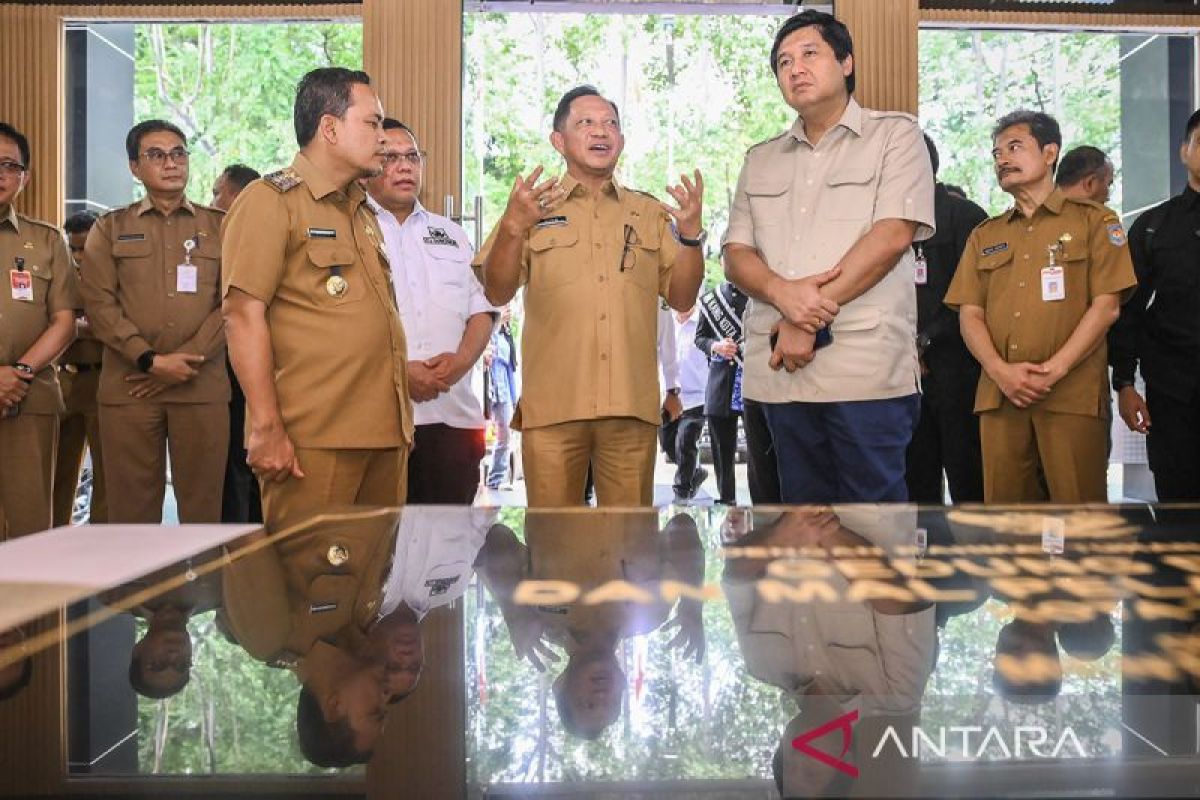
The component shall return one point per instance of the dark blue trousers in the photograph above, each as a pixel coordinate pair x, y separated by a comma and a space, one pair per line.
852, 452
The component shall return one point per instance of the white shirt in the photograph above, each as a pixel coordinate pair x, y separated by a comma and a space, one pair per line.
434, 557
668, 366
693, 363
436, 293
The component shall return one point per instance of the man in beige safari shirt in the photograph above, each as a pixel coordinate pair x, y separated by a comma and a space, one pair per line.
820, 237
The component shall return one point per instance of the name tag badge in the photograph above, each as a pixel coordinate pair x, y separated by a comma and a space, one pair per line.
322, 233
921, 271
1053, 284
186, 279
22, 285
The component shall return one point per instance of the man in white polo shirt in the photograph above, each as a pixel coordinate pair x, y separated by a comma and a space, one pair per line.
448, 323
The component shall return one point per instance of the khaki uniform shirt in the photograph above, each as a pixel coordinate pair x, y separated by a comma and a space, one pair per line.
802, 207
55, 288
132, 298
341, 371
1000, 272
594, 269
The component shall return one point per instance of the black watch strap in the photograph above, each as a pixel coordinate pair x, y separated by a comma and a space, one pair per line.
146, 360
1119, 384
24, 371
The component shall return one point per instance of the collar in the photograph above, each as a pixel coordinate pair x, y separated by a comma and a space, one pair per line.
11, 219
146, 204
570, 184
318, 185
418, 211
1189, 196
1054, 204
851, 120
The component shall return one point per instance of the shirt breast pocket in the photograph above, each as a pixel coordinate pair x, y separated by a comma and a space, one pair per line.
1174, 262
132, 254
641, 255
769, 198
335, 279
207, 260
849, 195
554, 260
994, 266
450, 283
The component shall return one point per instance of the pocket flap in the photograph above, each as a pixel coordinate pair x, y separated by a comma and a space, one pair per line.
131, 248
768, 185
331, 256
647, 234
994, 260
857, 318
851, 175
547, 238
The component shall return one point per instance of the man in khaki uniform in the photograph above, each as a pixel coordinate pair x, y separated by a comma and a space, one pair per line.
79, 374
1036, 291
315, 337
594, 258
37, 320
150, 289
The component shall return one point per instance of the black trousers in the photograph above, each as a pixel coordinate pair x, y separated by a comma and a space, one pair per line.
762, 471
722, 433
240, 498
1173, 445
443, 467
681, 443
946, 438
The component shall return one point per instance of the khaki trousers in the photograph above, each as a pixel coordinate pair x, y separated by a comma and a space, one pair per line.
620, 449
79, 426
333, 478
136, 438
27, 448
1071, 449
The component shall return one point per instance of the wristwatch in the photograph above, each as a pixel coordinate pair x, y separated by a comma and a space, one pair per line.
674, 391
25, 371
686, 242
1118, 385
146, 360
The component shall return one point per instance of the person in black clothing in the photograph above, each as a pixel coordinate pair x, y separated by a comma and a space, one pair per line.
719, 336
947, 434
1159, 329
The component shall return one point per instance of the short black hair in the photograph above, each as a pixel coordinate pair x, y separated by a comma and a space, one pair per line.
1192, 123
138, 683
22, 680
1080, 163
80, 222
832, 30
392, 124
563, 109
133, 139
9, 132
1043, 127
240, 175
323, 743
933, 154
320, 92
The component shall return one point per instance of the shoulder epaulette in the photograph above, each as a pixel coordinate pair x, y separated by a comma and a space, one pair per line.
875, 113
39, 222
756, 145
1084, 201
284, 179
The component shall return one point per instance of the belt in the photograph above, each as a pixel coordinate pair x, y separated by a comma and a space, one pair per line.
73, 368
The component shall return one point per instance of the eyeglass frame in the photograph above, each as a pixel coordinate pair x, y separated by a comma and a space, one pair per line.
158, 157
13, 167
394, 158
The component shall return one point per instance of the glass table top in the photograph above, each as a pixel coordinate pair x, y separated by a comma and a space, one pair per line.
678, 652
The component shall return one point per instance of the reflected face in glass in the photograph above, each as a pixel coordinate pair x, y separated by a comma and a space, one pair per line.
75, 243
591, 140
358, 137
161, 664
808, 72
404, 658
403, 170
361, 701
12, 179
161, 166
590, 696
1018, 159
1189, 154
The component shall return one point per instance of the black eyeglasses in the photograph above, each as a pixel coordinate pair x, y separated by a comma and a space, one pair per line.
414, 157
628, 258
11, 168
159, 157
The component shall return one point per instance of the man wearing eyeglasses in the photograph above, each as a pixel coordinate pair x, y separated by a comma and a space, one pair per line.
37, 321
594, 258
447, 320
151, 277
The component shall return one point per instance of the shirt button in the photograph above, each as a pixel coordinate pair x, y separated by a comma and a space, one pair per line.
170, 294
1012, 347
1021, 285
603, 317
604, 356
1029, 229
1017, 314
803, 210
796, 238
809, 182
1027, 256
597, 245
791, 273
602, 279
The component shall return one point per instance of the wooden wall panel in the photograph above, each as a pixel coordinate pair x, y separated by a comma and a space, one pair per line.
33, 753
413, 51
31, 100
885, 51
1074, 19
